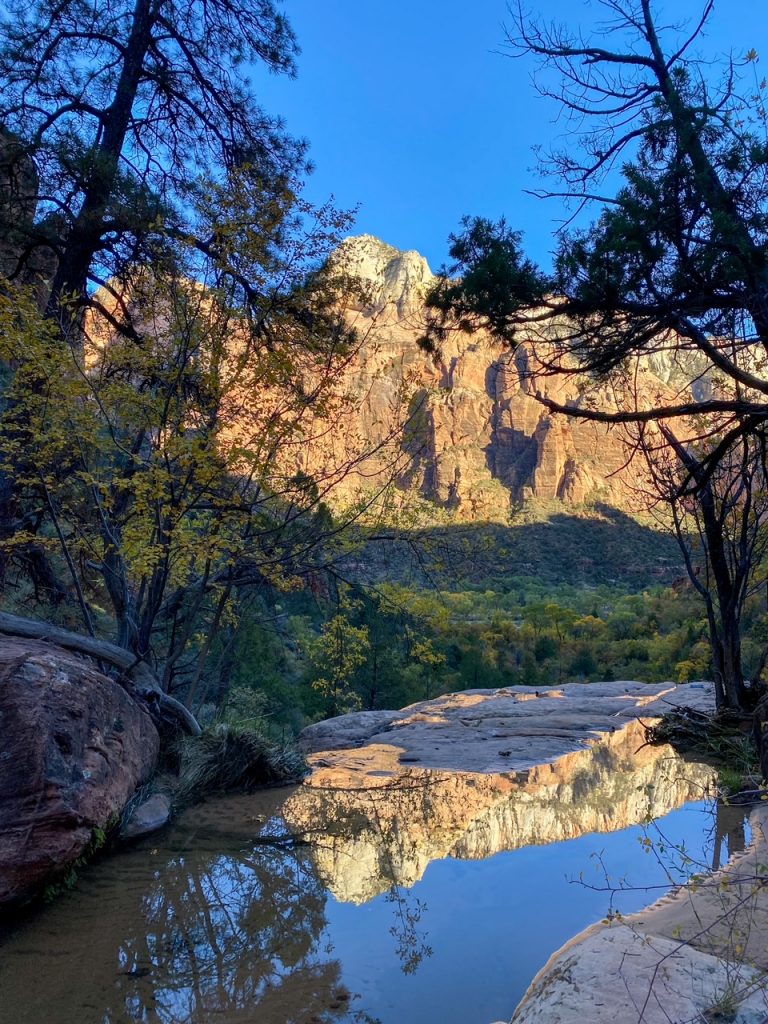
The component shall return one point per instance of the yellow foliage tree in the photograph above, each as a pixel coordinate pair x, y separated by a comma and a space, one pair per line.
164, 459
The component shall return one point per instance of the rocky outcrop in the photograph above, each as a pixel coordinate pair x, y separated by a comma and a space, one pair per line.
149, 816
487, 731
697, 955
470, 774
399, 790
464, 428
385, 279
73, 749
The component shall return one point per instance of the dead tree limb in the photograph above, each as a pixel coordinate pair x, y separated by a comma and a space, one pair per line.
136, 676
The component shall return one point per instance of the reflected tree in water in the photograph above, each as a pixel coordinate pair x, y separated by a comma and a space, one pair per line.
223, 936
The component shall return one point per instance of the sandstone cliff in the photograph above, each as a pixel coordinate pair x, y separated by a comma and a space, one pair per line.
469, 431
463, 430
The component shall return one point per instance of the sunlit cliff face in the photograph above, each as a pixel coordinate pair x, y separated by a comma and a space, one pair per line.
387, 835
462, 428
467, 417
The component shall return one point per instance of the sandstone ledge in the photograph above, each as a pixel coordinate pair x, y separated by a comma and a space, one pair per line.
485, 731
698, 956
471, 774
692, 957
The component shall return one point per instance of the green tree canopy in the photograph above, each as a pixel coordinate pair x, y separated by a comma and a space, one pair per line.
126, 108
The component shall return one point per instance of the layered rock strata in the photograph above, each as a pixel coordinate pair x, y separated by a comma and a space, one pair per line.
463, 430
471, 435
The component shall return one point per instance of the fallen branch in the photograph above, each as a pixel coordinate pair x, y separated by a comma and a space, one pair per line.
136, 676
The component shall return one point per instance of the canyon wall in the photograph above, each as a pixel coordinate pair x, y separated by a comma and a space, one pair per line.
464, 429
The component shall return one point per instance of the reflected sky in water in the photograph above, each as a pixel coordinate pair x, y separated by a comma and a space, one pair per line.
492, 924
204, 925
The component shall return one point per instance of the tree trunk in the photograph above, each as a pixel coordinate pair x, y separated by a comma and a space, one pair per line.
86, 235
733, 674
760, 732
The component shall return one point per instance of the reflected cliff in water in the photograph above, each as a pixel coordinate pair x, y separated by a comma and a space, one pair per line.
377, 837
233, 915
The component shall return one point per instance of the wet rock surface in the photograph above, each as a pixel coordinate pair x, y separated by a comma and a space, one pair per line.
73, 749
147, 817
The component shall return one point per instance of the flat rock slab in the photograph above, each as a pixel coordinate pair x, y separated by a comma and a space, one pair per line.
489, 731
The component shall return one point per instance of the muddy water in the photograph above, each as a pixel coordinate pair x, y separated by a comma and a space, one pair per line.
389, 908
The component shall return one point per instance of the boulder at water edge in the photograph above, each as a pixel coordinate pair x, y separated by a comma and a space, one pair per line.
74, 747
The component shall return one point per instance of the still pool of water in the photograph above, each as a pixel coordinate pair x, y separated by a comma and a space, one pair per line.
225, 918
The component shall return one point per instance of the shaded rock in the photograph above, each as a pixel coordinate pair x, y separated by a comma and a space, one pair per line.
147, 817
344, 731
25, 253
73, 749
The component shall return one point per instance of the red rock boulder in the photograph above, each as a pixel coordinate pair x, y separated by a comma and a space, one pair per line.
74, 747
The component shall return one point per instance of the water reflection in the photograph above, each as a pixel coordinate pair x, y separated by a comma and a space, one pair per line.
730, 834
201, 928
228, 932
376, 837
251, 908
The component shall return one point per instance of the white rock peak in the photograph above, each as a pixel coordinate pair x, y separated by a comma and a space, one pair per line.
391, 277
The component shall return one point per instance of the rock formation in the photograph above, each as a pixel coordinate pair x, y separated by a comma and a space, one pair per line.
470, 774
467, 425
73, 749
697, 955
463, 430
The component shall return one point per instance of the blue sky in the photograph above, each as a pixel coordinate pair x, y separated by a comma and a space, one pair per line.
414, 114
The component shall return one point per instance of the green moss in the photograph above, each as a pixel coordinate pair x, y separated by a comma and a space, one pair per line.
98, 840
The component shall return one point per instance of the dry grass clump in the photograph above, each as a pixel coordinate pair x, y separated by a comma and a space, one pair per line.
227, 758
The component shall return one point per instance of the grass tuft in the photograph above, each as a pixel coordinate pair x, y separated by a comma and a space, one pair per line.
232, 758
